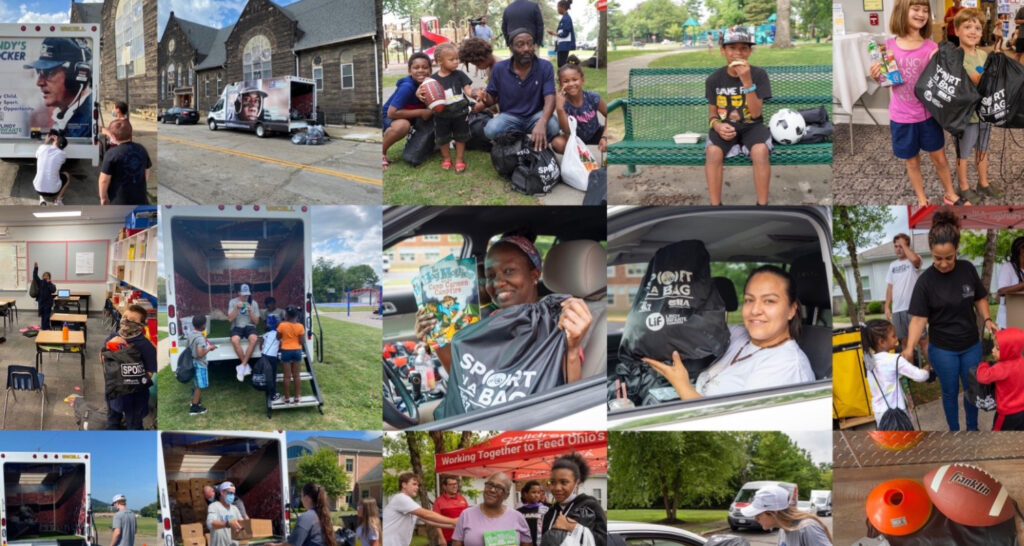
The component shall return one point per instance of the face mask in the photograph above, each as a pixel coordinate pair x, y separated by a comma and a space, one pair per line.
129, 328
230, 498
210, 500
113, 114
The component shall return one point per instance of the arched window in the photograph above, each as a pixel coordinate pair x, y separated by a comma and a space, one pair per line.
170, 78
318, 72
256, 58
129, 44
348, 73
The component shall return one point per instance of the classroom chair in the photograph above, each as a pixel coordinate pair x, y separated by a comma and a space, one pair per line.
24, 378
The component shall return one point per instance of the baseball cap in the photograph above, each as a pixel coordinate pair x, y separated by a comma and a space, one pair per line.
769, 498
226, 485
55, 52
244, 290
117, 498
737, 35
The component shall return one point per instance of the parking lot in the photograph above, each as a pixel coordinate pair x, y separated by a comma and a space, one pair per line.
228, 166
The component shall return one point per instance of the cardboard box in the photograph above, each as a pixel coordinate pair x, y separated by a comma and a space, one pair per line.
192, 534
254, 528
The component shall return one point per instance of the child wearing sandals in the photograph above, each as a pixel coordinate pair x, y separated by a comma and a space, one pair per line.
452, 123
403, 108
912, 128
582, 105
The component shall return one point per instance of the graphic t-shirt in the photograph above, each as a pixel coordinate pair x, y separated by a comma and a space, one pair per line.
126, 164
534, 514
947, 300
454, 84
587, 123
726, 93
904, 106
473, 528
902, 275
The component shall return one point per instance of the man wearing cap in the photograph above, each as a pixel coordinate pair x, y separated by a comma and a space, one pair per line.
123, 524
522, 14
244, 314
736, 94
64, 77
523, 87
772, 509
223, 516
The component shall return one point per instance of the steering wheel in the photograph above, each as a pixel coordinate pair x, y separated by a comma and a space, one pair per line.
392, 415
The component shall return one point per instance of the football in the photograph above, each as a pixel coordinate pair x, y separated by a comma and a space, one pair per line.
898, 507
968, 495
787, 126
434, 92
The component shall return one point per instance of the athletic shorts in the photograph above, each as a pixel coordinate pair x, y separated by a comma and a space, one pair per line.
901, 320
202, 375
747, 135
291, 355
447, 129
243, 332
975, 137
908, 139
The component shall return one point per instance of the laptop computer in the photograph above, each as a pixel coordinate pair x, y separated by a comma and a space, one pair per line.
63, 293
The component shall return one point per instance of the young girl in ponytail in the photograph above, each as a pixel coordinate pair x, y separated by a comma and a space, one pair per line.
878, 337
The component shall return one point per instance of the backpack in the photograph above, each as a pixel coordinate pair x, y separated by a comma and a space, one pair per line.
124, 372
264, 375
894, 418
33, 289
186, 371
536, 173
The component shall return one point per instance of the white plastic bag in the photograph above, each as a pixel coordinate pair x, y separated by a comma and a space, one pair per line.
577, 161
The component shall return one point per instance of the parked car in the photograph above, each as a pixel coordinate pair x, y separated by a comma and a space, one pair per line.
638, 44
650, 534
386, 264
797, 239
805, 506
179, 115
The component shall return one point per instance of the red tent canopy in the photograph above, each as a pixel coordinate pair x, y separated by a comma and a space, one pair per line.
524, 455
979, 217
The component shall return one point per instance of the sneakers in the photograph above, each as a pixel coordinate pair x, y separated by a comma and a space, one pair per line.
59, 202
247, 370
196, 409
277, 398
240, 372
42, 201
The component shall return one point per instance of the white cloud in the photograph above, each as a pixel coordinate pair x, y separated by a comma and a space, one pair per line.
358, 228
28, 16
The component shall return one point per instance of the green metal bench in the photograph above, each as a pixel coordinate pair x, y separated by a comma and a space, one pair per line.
664, 102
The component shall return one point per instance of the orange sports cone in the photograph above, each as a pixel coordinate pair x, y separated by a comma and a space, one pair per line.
896, 440
898, 507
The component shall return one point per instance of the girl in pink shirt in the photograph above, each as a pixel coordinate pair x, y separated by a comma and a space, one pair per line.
912, 128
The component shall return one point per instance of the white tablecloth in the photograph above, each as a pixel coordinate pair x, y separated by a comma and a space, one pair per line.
850, 64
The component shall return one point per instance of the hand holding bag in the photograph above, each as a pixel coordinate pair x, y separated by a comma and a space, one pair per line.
945, 90
577, 161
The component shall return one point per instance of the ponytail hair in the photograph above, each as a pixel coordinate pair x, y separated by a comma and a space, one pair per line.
871, 334
945, 228
323, 513
575, 463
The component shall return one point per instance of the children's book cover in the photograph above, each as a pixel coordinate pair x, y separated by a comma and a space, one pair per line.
448, 289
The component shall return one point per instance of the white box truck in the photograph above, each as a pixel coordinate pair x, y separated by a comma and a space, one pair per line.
211, 251
50, 74
256, 463
286, 104
746, 495
46, 499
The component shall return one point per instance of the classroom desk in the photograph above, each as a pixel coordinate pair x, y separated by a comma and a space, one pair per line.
53, 338
71, 300
84, 295
11, 305
59, 318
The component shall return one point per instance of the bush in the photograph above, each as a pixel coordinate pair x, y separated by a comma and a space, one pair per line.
874, 307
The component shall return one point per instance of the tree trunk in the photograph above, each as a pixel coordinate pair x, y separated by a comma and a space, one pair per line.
987, 265
840, 279
467, 436
602, 39
417, 466
782, 25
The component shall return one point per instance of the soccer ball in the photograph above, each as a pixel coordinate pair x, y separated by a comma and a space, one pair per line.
787, 126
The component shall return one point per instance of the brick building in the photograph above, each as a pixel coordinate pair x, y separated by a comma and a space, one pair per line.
128, 58
423, 250
334, 43
623, 283
360, 459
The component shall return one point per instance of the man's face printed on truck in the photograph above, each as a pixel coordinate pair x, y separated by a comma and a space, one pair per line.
251, 106
51, 85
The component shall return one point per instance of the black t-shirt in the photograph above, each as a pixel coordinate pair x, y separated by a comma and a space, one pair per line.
534, 519
454, 84
947, 300
726, 92
126, 164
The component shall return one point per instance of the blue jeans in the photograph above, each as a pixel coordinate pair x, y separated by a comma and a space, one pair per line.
951, 367
503, 123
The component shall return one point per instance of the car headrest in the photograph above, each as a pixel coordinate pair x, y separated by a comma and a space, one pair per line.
727, 290
576, 267
811, 281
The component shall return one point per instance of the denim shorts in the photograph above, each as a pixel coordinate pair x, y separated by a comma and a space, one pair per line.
908, 139
202, 375
291, 355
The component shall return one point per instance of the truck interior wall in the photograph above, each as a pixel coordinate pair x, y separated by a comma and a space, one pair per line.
257, 480
58, 507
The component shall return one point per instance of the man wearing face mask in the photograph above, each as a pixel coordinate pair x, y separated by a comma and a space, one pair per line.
212, 497
126, 412
523, 87
222, 517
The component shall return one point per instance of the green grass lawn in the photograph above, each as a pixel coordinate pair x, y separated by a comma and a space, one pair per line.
698, 521
479, 185
143, 526
349, 380
802, 54
161, 322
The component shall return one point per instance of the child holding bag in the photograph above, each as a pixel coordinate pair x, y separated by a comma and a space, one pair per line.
582, 105
878, 337
911, 126
969, 24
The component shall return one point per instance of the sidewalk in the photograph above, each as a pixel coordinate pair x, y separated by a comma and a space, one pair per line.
357, 133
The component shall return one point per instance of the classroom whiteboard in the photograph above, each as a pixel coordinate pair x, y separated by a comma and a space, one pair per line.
60, 259
13, 266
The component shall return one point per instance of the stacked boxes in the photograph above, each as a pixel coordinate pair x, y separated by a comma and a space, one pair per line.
188, 509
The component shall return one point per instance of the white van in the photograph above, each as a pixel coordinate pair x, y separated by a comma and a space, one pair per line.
210, 252
746, 495
46, 499
821, 500
255, 462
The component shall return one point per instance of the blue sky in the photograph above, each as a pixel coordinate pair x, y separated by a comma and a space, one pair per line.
34, 11
122, 462
212, 13
297, 435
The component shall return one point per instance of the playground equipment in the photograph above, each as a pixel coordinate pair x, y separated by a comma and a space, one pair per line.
430, 28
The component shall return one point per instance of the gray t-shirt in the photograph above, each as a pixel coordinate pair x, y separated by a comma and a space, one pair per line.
244, 316
125, 521
807, 533
194, 341
307, 531
277, 312
218, 512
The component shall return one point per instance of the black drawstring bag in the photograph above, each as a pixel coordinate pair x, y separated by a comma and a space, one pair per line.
814, 116
123, 372
420, 143
980, 395
893, 418
511, 354
677, 308
477, 139
505, 152
537, 172
1002, 92
945, 90
942, 531
818, 132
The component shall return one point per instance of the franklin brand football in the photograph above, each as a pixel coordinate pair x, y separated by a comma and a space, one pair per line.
434, 92
968, 495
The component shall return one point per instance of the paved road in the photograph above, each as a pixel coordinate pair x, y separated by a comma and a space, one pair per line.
226, 166
618, 71
761, 537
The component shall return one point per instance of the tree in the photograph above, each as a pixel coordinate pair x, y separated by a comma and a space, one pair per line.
782, 26
988, 246
360, 276
854, 227
758, 11
150, 510
775, 456
814, 16
602, 38
322, 467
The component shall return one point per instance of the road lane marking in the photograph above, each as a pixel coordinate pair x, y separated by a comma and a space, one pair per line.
283, 163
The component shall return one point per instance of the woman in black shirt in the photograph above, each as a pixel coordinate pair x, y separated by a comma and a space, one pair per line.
946, 297
572, 508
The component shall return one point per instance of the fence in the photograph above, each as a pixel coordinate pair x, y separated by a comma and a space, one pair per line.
409, 38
